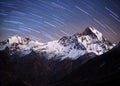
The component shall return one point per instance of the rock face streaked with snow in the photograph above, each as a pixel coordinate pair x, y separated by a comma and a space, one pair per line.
72, 47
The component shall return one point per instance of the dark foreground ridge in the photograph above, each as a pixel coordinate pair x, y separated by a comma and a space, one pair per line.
31, 70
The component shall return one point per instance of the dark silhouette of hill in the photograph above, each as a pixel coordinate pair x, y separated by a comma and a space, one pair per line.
33, 70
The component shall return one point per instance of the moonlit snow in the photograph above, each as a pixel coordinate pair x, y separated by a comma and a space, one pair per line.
90, 41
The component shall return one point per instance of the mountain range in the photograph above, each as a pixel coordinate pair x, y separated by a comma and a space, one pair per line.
90, 41
27, 62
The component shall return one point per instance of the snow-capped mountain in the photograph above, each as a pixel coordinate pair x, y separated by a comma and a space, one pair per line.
79, 44
17, 44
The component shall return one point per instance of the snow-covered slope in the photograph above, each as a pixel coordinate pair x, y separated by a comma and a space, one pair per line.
94, 42
17, 44
79, 44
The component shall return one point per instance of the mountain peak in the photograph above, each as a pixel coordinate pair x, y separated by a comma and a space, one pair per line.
19, 40
93, 32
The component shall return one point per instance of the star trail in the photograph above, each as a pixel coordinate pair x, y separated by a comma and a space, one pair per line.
47, 20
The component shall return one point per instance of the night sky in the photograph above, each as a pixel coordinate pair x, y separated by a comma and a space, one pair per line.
46, 20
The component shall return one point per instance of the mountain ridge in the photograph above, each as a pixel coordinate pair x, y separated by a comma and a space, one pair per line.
90, 41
